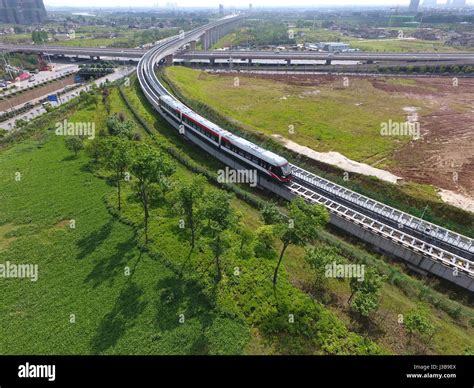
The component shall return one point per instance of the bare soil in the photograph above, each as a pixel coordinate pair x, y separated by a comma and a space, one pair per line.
444, 156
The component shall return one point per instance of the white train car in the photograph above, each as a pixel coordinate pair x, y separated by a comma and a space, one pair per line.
247, 154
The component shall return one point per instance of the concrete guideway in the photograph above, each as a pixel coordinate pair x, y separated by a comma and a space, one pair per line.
425, 247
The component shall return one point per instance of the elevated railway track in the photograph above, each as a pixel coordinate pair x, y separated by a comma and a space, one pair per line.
425, 247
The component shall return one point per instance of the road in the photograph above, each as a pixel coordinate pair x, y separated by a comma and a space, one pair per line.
460, 57
41, 77
38, 110
81, 51
313, 55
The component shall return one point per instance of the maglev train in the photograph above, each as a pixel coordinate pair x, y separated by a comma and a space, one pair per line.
246, 153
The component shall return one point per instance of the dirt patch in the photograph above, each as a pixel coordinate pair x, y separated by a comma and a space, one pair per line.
458, 200
444, 156
338, 160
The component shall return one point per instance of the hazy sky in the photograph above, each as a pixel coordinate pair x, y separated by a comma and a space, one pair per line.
227, 3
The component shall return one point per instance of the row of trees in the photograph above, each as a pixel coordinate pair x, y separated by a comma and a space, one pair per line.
365, 296
426, 69
206, 214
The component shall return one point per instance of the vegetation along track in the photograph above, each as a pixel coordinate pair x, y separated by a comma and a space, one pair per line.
441, 246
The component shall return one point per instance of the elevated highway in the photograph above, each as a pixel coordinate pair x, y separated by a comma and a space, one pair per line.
75, 51
291, 56
249, 56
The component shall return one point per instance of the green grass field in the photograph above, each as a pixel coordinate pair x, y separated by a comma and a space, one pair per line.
327, 117
82, 270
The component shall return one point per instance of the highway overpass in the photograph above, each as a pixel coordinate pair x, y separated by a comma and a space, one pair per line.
75, 51
288, 56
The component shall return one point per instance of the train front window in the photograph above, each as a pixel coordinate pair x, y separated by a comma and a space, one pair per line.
286, 169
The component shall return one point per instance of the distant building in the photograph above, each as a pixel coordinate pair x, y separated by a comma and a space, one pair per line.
22, 11
69, 35
414, 4
334, 46
250, 7
221, 9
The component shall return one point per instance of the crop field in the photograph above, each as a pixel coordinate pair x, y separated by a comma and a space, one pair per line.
84, 302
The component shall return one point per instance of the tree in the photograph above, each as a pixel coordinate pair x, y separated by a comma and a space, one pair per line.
247, 238
74, 144
270, 214
189, 197
371, 284
151, 169
105, 98
417, 321
264, 246
318, 258
304, 220
365, 303
220, 217
118, 125
39, 37
116, 155
95, 149
20, 123
365, 294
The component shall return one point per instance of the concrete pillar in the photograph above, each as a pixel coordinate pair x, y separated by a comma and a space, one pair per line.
169, 60
328, 61
212, 61
206, 41
193, 45
288, 62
